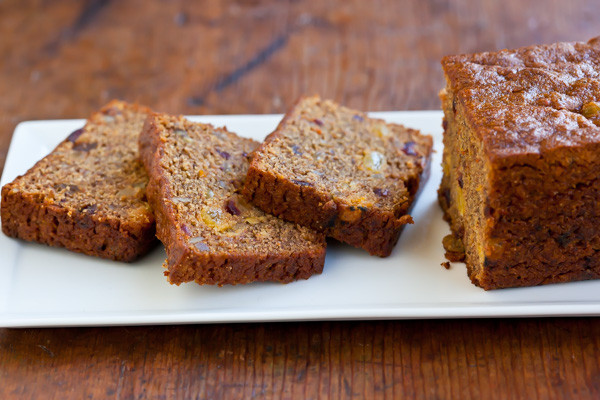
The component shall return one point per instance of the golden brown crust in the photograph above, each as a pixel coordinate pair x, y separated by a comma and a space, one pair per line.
30, 218
521, 154
55, 202
515, 100
215, 263
376, 232
328, 187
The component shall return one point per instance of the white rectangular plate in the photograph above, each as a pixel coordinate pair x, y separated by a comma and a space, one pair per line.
44, 286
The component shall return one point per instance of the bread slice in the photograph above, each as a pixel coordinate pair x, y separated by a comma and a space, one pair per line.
88, 194
335, 170
211, 234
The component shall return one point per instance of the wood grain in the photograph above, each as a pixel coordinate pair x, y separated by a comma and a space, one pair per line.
64, 59
531, 358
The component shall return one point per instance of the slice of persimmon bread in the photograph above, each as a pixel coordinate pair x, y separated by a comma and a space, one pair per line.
88, 194
340, 172
211, 234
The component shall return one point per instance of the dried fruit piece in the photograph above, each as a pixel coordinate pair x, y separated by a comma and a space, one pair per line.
373, 161
455, 251
382, 130
237, 184
211, 217
128, 192
215, 219
253, 220
301, 183
350, 214
181, 199
89, 209
409, 149
199, 243
591, 110
231, 207
460, 201
319, 155
226, 167
180, 132
234, 230
74, 135
223, 154
85, 146
68, 187
381, 192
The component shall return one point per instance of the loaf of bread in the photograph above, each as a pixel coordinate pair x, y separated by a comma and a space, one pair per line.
521, 146
88, 194
337, 171
211, 234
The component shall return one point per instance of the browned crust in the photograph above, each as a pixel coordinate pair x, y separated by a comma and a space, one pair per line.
376, 231
34, 218
186, 264
511, 273
29, 217
540, 214
535, 273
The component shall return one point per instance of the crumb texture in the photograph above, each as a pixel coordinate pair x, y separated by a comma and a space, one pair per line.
88, 194
336, 170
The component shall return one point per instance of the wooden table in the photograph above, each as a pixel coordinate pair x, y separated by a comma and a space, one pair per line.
63, 59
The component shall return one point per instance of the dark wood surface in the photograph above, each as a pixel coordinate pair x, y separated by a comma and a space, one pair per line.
64, 59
